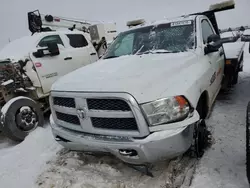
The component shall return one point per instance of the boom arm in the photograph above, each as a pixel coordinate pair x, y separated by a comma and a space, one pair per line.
39, 23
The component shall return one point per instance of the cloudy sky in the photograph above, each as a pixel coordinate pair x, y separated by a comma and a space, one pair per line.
14, 23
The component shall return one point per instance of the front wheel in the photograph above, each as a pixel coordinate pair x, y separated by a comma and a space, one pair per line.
201, 134
20, 116
248, 142
200, 138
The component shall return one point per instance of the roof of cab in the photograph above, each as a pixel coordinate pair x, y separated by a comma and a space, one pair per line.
59, 32
167, 20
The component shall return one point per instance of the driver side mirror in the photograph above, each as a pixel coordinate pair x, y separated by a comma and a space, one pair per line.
213, 44
52, 48
213, 38
38, 53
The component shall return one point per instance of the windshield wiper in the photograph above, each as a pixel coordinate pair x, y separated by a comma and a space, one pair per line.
110, 57
156, 52
161, 52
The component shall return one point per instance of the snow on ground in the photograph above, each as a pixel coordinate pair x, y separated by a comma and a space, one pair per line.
78, 170
21, 164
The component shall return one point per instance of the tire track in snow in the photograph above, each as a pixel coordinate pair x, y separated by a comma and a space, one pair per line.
73, 169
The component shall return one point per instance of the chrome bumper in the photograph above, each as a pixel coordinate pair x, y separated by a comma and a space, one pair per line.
156, 146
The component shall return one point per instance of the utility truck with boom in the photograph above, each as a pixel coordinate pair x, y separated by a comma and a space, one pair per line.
31, 64
148, 97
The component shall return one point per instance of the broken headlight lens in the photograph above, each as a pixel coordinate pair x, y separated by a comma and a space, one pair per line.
166, 110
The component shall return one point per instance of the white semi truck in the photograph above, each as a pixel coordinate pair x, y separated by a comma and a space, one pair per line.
31, 64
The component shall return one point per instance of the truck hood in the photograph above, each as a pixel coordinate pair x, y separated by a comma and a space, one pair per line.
145, 77
18, 49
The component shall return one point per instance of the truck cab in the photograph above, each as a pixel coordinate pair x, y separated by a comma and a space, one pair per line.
74, 51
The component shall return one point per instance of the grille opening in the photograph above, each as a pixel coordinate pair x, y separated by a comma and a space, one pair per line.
73, 119
64, 101
115, 123
108, 104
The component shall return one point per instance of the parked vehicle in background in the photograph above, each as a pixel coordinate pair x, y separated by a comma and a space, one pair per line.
31, 64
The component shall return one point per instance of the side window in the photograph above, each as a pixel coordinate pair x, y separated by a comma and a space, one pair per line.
77, 40
45, 40
206, 30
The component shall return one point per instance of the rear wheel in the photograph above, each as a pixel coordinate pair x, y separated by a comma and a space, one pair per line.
235, 78
21, 115
248, 142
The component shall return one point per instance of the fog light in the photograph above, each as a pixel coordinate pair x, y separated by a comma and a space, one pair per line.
128, 152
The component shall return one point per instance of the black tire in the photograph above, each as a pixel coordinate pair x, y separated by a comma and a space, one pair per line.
201, 138
201, 132
248, 142
11, 128
202, 108
235, 78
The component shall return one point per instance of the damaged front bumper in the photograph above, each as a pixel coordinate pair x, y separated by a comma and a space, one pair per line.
156, 146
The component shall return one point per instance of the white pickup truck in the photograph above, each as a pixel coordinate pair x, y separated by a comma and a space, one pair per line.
148, 97
31, 64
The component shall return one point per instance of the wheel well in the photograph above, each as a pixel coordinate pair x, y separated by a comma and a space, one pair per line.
202, 105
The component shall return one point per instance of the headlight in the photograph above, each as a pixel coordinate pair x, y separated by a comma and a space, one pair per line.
166, 110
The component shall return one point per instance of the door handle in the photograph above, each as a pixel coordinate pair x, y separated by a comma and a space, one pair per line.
93, 54
67, 58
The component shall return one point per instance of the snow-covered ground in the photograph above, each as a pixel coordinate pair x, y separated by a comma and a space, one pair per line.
21, 164
40, 162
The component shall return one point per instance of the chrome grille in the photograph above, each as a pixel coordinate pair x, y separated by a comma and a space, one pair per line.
115, 123
108, 104
64, 101
110, 114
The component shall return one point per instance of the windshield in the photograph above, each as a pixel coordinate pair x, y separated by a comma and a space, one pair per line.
163, 38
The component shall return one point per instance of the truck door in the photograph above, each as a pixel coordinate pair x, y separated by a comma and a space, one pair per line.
82, 51
50, 68
216, 59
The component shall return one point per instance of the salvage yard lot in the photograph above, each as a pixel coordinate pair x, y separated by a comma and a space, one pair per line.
40, 162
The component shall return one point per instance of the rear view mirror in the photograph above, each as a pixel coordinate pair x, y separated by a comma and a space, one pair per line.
210, 48
213, 44
38, 53
53, 48
213, 38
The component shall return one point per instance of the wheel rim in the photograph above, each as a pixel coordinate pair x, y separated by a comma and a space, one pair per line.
26, 119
